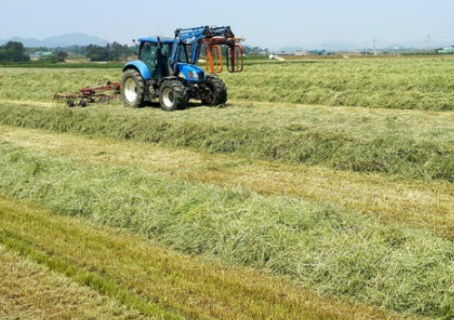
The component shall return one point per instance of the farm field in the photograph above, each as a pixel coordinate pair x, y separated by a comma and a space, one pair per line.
399, 83
322, 190
411, 144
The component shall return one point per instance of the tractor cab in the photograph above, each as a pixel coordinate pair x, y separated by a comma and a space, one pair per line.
155, 53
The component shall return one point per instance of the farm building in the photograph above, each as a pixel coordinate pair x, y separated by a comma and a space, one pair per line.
449, 50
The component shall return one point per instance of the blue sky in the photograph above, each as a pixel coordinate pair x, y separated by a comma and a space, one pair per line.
272, 24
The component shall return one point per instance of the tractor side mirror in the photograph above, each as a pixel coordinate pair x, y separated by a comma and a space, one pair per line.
135, 44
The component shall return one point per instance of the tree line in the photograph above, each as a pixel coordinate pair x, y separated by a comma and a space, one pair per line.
111, 52
16, 52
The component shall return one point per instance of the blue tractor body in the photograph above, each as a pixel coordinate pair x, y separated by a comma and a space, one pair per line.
186, 71
167, 69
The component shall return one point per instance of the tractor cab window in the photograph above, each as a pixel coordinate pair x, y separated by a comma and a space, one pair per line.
166, 49
184, 53
149, 54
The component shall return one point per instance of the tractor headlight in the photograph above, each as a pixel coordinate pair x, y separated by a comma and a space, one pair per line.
193, 75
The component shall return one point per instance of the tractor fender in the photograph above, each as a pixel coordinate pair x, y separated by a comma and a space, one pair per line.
141, 67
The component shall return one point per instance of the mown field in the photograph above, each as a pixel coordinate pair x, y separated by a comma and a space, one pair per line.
400, 83
322, 190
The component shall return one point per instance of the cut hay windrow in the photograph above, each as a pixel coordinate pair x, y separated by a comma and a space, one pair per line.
321, 247
389, 150
423, 204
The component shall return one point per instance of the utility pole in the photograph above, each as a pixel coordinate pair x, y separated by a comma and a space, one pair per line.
375, 46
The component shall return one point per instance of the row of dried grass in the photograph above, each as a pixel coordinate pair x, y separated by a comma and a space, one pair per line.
250, 132
422, 204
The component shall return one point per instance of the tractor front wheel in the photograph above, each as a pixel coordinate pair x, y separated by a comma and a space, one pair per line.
132, 89
217, 94
173, 95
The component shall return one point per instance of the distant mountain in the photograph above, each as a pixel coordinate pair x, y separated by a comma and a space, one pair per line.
73, 39
27, 42
66, 40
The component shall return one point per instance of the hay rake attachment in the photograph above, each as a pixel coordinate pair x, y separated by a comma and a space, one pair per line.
101, 94
234, 57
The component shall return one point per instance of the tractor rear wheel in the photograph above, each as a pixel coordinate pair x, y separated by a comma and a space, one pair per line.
218, 92
173, 95
132, 89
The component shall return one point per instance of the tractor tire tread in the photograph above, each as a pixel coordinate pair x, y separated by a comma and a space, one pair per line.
180, 91
141, 88
219, 91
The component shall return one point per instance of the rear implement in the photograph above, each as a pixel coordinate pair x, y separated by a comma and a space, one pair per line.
100, 94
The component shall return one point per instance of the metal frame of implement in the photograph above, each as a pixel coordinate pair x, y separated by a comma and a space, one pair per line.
234, 54
91, 95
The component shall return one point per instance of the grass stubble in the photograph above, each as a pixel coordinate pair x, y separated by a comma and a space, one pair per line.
32, 291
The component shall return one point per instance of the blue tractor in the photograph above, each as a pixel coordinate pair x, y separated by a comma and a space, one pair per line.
167, 69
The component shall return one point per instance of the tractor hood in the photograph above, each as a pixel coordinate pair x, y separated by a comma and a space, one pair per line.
190, 72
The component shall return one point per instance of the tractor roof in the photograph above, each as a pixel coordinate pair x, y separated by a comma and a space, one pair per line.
155, 39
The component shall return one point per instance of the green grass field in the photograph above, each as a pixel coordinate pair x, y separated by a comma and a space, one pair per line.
315, 193
418, 83
412, 83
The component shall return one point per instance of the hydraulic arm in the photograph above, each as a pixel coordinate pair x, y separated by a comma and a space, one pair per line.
213, 38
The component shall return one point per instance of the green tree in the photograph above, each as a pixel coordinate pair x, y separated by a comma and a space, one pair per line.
113, 52
60, 55
13, 52
118, 51
97, 53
